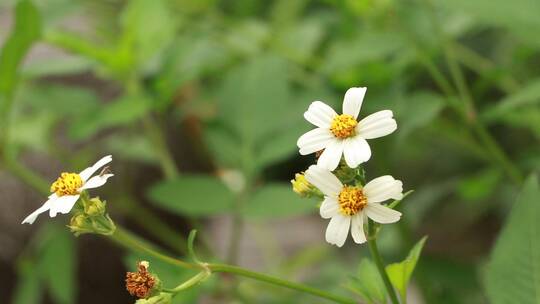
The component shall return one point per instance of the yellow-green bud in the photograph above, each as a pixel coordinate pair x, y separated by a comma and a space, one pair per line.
300, 185
94, 207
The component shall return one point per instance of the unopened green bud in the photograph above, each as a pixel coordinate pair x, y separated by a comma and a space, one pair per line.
94, 207
80, 224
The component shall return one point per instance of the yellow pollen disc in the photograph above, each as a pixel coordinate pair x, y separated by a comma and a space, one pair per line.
343, 126
67, 184
351, 200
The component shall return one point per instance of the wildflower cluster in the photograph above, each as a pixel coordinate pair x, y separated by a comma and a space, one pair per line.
340, 143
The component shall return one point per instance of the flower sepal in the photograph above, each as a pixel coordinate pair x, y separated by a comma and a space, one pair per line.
90, 217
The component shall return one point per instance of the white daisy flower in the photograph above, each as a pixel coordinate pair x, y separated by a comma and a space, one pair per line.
67, 190
349, 206
342, 134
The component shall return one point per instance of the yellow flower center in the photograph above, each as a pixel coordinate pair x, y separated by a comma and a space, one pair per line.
351, 200
67, 184
343, 126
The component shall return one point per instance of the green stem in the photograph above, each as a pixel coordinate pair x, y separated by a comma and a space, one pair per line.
128, 240
189, 283
375, 255
279, 282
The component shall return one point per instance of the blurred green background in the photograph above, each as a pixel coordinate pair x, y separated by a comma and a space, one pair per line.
200, 102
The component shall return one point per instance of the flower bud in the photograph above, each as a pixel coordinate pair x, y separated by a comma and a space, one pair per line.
94, 207
79, 224
300, 185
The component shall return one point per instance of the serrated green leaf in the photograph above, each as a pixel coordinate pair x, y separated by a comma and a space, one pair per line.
368, 283
276, 200
513, 274
193, 195
400, 273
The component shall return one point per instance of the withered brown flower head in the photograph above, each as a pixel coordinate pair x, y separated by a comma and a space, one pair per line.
140, 283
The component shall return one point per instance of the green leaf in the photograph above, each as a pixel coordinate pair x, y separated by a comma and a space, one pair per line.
57, 266
513, 274
193, 195
368, 283
417, 111
479, 185
519, 16
149, 26
25, 32
400, 273
123, 111
28, 290
276, 200
529, 95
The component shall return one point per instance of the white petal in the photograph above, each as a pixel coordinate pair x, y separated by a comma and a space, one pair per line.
357, 228
320, 114
323, 179
32, 217
96, 181
356, 151
383, 188
86, 173
329, 208
377, 125
382, 214
314, 140
353, 101
331, 156
63, 204
338, 229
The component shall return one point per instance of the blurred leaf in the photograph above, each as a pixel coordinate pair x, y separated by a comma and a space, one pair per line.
300, 41
400, 273
32, 130
368, 283
513, 274
524, 117
149, 25
276, 200
223, 145
188, 59
120, 112
417, 111
56, 67
25, 32
248, 37
480, 185
195, 195
140, 148
28, 290
57, 266
369, 46
518, 16
527, 96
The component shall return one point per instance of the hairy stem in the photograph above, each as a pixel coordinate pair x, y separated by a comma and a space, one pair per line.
375, 255
129, 241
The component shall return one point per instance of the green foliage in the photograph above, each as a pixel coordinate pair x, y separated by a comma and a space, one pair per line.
192, 195
368, 283
400, 273
513, 273
276, 200
25, 32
